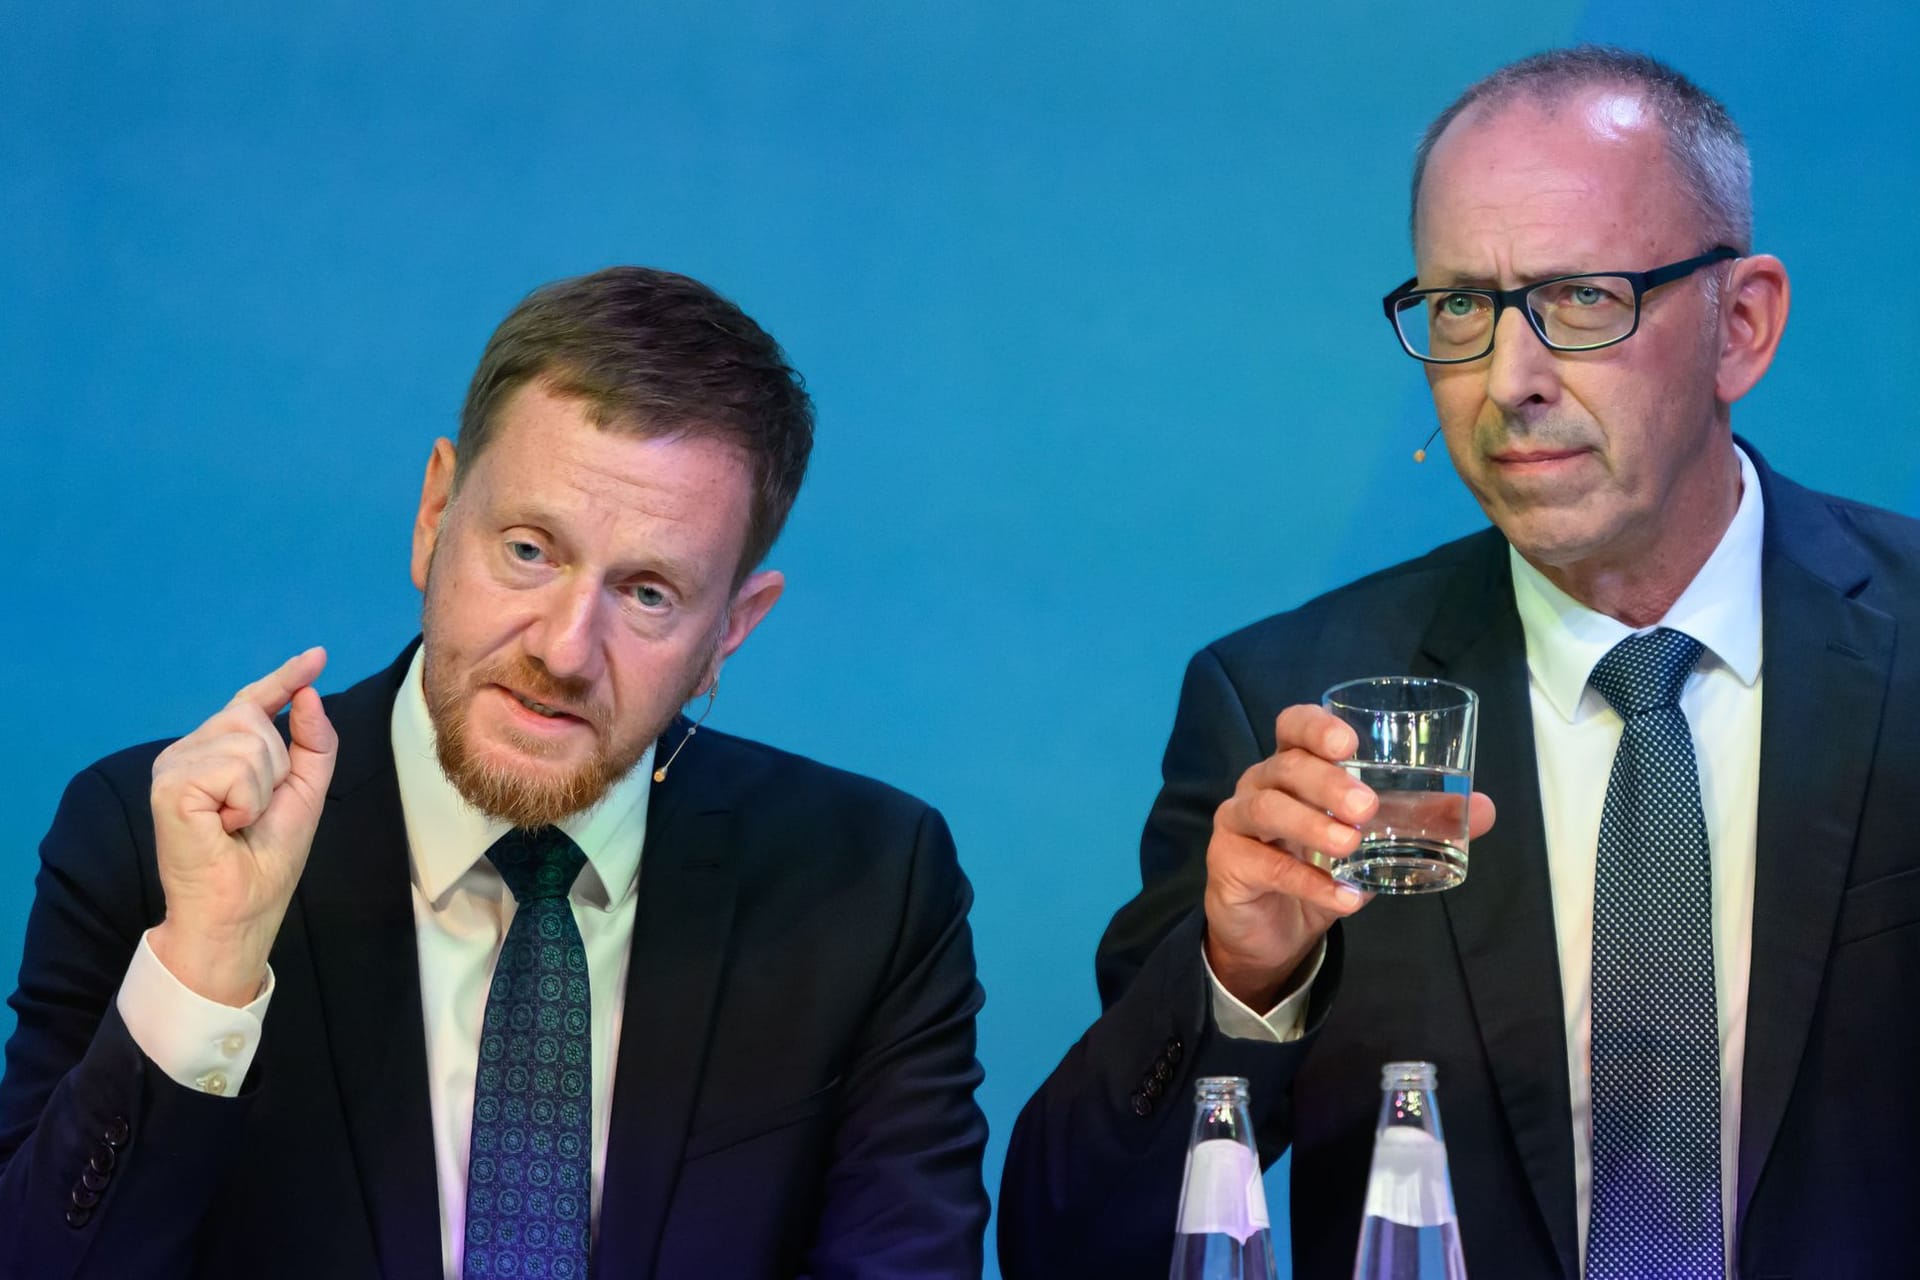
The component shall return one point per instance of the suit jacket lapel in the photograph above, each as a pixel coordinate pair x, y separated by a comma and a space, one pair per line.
1502, 917
354, 907
688, 883
1827, 659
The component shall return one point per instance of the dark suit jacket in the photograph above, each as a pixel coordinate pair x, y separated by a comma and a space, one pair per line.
793, 1091
1470, 978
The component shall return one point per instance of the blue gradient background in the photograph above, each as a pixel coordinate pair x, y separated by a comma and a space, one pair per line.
1086, 295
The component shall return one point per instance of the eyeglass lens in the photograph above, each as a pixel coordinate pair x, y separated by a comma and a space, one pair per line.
1586, 311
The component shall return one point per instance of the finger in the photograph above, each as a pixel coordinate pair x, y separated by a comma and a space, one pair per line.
242, 769
247, 718
315, 744
1262, 868
1313, 781
1274, 817
191, 766
1315, 729
228, 778
1480, 814
271, 692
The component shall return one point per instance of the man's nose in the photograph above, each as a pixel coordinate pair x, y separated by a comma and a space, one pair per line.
565, 636
1522, 370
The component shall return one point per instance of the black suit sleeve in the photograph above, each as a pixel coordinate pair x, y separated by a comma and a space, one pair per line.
903, 1195
106, 1166
1092, 1177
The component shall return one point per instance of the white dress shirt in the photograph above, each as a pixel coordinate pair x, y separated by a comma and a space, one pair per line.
1575, 735
461, 912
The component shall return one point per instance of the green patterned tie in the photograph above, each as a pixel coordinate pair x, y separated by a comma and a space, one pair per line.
528, 1196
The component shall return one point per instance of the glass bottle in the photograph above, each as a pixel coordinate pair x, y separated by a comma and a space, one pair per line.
1222, 1232
1409, 1232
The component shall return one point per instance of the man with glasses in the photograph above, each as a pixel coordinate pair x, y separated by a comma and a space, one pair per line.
1667, 1004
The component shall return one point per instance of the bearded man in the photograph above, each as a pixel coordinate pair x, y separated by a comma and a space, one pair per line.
489, 965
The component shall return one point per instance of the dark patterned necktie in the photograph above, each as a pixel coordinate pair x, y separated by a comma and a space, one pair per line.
1656, 1045
528, 1199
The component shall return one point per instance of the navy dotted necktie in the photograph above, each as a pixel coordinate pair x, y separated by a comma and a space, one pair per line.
528, 1199
1656, 1045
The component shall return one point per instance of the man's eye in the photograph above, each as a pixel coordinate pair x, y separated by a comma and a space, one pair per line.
649, 596
1583, 295
1459, 304
525, 552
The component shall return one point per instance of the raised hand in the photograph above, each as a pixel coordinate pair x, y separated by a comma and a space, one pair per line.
234, 812
1269, 898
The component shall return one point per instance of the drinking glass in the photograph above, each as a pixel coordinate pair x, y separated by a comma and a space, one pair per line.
1416, 752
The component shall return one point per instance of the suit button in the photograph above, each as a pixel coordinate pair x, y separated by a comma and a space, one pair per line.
83, 1198
117, 1133
101, 1161
77, 1218
1162, 1070
93, 1180
1153, 1088
1174, 1048
1142, 1104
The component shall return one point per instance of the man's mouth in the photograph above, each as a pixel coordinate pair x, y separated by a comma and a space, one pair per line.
539, 708
1516, 457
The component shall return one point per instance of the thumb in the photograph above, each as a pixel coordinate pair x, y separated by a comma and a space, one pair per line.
315, 745
1479, 814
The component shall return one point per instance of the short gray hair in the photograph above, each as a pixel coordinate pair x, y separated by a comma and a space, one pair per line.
1705, 145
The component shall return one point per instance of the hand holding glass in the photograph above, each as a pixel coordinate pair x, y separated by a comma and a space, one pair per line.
1416, 753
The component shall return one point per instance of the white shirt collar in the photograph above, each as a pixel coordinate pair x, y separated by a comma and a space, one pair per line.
1720, 608
446, 835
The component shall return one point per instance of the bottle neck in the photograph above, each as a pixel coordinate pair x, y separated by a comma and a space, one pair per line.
1215, 1090
1407, 1097
1408, 1075
1220, 1111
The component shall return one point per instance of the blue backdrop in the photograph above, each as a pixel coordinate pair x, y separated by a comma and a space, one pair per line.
1086, 294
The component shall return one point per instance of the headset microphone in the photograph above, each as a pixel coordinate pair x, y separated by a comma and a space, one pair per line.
1420, 454
713, 690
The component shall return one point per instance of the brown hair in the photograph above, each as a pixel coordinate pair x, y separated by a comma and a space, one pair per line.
656, 354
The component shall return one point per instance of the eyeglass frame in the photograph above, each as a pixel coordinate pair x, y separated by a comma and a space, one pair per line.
1642, 282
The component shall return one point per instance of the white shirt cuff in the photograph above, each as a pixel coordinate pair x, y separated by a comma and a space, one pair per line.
1285, 1021
200, 1043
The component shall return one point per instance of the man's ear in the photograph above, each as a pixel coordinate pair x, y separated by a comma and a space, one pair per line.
1753, 314
751, 602
436, 491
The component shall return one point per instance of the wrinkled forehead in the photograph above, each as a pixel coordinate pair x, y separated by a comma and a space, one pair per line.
1537, 186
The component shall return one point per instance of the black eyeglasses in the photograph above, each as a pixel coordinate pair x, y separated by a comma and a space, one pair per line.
1569, 313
